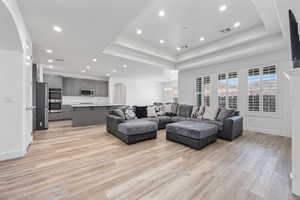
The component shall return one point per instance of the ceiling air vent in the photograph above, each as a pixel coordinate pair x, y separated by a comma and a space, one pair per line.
226, 30
59, 60
184, 47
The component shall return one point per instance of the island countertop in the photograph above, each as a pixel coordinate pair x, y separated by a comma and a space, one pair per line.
94, 105
90, 114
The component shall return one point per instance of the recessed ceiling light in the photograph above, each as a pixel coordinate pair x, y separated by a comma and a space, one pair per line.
28, 57
161, 41
83, 71
49, 51
161, 13
178, 48
139, 31
27, 47
57, 29
237, 24
88, 67
125, 66
107, 74
202, 39
28, 63
114, 71
222, 8
50, 61
50, 66
95, 60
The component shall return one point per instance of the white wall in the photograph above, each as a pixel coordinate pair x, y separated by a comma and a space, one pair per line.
272, 124
170, 91
15, 81
139, 92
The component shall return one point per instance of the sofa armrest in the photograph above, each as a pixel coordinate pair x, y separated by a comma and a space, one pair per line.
112, 123
232, 128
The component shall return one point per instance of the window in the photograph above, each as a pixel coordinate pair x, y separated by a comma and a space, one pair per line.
233, 83
199, 91
262, 87
207, 90
269, 89
228, 90
222, 90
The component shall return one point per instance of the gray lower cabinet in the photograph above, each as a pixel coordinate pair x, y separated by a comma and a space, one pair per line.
66, 114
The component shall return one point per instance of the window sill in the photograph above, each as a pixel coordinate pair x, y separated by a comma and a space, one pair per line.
264, 115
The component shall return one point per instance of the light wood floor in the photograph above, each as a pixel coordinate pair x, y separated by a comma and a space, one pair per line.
87, 163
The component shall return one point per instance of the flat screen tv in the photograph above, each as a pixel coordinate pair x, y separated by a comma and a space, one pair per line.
295, 43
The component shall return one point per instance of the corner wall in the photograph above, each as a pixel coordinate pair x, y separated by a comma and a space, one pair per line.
259, 122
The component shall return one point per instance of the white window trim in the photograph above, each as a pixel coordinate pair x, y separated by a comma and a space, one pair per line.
260, 113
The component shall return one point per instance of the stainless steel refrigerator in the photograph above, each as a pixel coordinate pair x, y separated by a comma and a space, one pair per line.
42, 106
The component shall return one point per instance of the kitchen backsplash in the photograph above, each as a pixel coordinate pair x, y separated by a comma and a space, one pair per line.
70, 100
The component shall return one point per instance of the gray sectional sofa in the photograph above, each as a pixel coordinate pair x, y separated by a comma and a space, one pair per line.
229, 128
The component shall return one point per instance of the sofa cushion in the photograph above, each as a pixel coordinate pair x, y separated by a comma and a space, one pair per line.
137, 127
185, 110
151, 119
219, 124
164, 119
192, 129
129, 113
178, 119
224, 113
141, 111
118, 112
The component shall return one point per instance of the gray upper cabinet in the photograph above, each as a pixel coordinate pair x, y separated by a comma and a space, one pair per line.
72, 86
101, 88
54, 81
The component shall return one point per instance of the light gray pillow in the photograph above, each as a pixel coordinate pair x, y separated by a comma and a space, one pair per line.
151, 111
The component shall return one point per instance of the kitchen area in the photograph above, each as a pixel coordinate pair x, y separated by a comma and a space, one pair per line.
83, 101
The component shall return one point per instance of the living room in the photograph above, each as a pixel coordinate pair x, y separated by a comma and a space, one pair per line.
159, 99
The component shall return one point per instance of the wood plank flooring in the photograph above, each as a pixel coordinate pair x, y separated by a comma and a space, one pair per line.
87, 163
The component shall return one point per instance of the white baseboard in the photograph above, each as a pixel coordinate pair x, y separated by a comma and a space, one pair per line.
268, 131
12, 154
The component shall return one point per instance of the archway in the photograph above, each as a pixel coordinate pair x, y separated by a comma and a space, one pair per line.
120, 93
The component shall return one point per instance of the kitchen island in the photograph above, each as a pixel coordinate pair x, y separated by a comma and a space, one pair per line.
90, 114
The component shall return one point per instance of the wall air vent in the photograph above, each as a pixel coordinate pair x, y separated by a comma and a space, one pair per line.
59, 60
226, 30
184, 47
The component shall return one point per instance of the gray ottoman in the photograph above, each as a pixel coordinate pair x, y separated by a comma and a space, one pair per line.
136, 130
194, 134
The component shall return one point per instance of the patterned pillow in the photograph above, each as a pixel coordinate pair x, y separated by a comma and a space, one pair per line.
129, 113
195, 112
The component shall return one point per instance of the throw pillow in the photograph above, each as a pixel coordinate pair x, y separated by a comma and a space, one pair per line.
129, 113
151, 112
118, 113
167, 107
201, 112
141, 111
224, 113
210, 113
174, 108
195, 112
